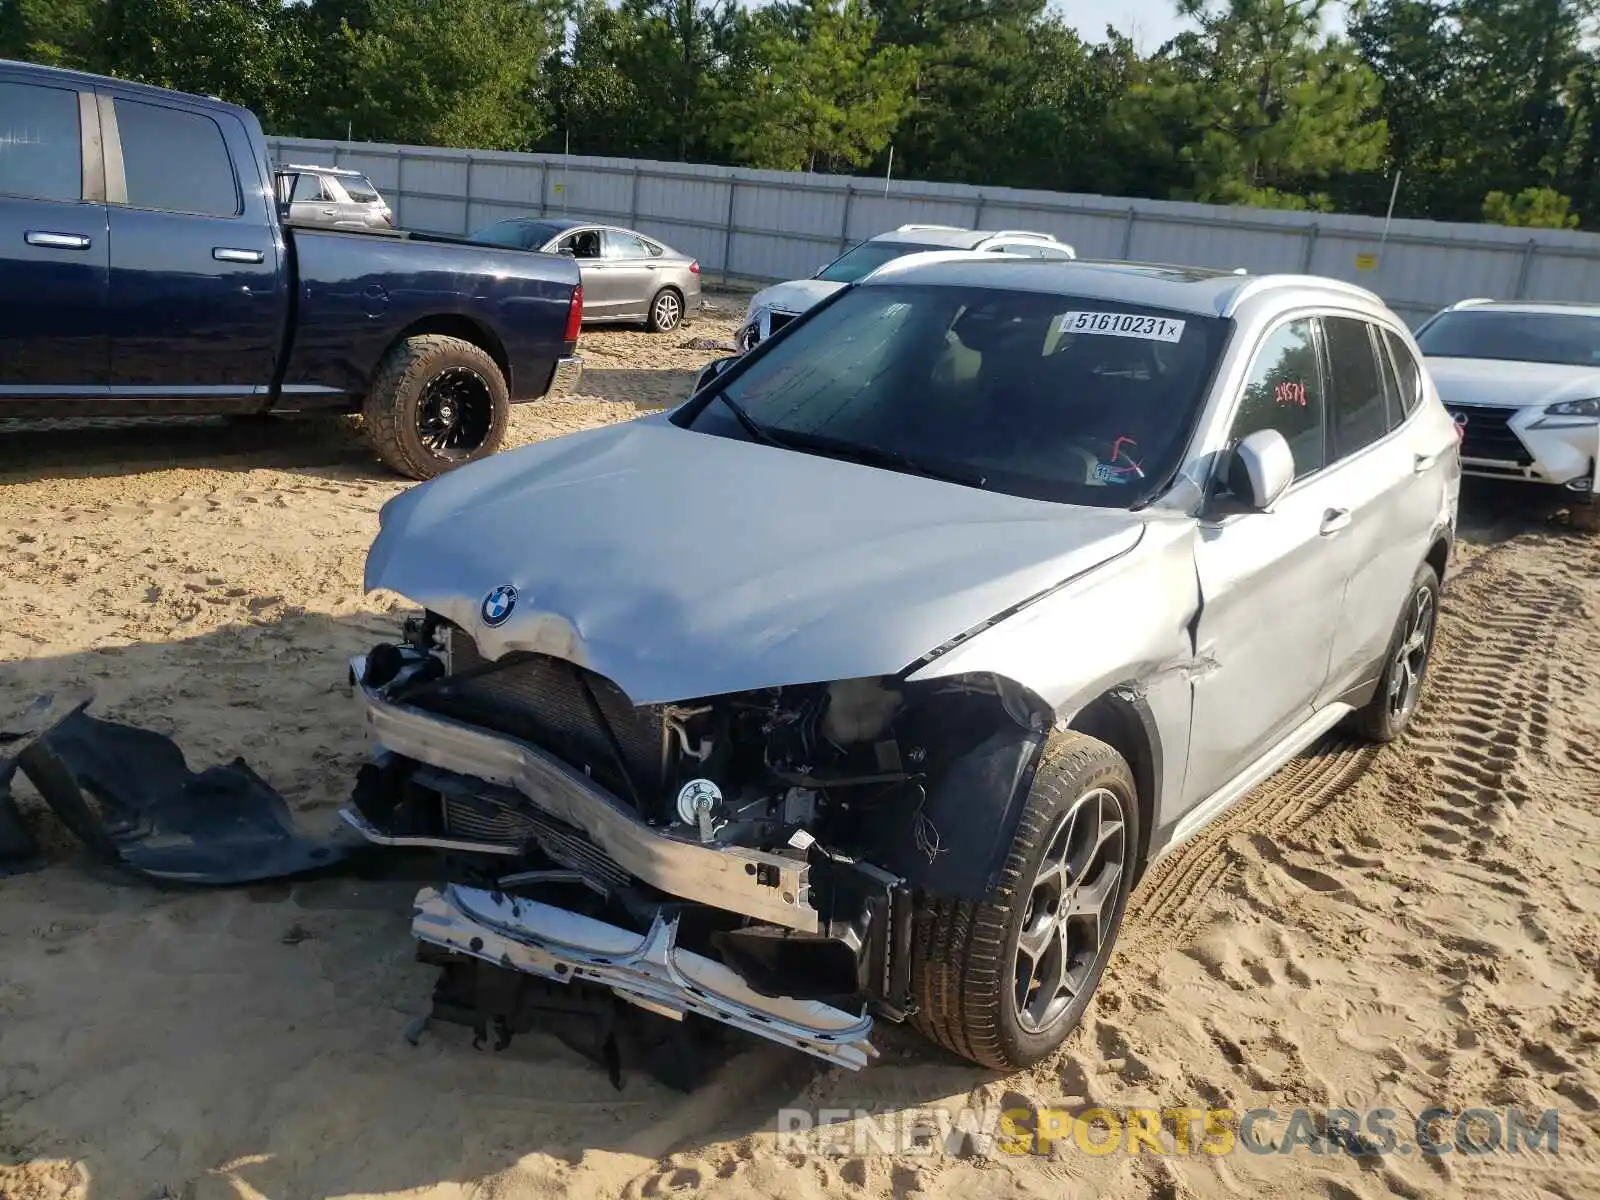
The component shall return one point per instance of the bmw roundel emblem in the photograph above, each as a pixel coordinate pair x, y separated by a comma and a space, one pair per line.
497, 605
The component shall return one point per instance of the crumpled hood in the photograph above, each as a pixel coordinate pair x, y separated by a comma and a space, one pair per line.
1511, 384
681, 564
795, 296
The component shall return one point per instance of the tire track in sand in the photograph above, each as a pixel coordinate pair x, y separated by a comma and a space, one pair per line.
1486, 704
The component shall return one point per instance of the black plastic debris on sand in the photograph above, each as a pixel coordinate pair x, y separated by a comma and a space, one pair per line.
128, 794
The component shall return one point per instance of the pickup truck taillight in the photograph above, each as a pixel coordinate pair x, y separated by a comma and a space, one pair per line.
574, 315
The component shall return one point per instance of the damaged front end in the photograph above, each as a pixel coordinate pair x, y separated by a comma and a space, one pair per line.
752, 859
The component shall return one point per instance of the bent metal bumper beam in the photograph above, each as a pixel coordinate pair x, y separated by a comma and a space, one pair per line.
768, 887
648, 970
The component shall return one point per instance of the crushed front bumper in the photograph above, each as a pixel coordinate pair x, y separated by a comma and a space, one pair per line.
648, 970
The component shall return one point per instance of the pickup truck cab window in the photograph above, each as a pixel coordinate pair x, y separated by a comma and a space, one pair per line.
1284, 392
175, 161
41, 156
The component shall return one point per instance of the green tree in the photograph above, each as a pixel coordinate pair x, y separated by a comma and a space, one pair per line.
436, 72
1259, 105
1531, 208
823, 94
57, 33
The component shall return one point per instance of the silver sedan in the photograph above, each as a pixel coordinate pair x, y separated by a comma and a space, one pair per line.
627, 276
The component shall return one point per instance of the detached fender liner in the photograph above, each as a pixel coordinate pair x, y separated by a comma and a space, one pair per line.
129, 796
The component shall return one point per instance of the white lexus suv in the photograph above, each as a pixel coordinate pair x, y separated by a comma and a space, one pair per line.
1522, 381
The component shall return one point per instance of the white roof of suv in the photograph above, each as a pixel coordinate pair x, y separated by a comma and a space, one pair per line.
957, 238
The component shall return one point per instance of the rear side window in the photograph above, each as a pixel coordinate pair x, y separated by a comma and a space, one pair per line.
1284, 392
175, 161
624, 245
1408, 373
41, 157
308, 188
1360, 400
360, 189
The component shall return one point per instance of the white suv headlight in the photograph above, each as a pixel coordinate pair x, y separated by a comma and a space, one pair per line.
1575, 408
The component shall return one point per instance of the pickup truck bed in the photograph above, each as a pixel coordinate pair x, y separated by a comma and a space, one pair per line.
146, 269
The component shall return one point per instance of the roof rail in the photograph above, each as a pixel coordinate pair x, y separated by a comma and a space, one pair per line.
1471, 300
311, 167
918, 228
1023, 233
1229, 304
925, 257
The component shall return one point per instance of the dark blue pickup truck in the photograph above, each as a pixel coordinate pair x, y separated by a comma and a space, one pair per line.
146, 269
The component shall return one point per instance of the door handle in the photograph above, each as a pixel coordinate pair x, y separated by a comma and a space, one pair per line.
228, 254
1422, 462
1335, 519
56, 241
330, 212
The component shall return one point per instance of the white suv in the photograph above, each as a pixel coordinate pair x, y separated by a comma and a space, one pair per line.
770, 310
1522, 381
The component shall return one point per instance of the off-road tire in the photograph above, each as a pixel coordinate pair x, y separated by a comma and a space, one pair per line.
657, 324
964, 952
1375, 721
390, 409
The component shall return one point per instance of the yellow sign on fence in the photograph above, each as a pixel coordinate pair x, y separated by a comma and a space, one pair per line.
1366, 262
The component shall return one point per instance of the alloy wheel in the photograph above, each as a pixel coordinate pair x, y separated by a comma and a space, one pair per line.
1411, 656
668, 308
455, 413
1070, 909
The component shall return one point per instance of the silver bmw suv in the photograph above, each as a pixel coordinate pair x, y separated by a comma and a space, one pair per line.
868, 682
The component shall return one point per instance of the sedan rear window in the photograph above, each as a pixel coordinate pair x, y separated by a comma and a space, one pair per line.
1052, 397
1567, 339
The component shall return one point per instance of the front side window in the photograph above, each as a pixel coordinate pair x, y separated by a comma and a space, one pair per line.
41, 157
175, 161
862, 260
1284, 392
583, 244
1567, 339
1360, 400
1051, 397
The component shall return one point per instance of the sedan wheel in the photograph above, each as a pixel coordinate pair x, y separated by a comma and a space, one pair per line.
666, 310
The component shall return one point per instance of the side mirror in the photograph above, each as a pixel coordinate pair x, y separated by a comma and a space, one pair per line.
1260, 469
712, 369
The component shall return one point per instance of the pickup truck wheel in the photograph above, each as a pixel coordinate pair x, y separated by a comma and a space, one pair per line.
1391, 708
437, 402
1003, 980
666, 310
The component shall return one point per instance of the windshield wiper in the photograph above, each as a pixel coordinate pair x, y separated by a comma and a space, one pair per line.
751, 426
880, 456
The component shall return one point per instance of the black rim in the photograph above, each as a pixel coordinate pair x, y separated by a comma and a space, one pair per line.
455, 413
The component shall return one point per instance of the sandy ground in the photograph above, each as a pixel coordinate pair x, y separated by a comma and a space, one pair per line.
1408, 928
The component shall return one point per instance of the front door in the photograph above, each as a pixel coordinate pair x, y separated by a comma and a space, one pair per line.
53, 245
1270, 582
195, 285
599, 298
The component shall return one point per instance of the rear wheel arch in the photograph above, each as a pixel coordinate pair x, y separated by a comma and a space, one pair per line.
457, 326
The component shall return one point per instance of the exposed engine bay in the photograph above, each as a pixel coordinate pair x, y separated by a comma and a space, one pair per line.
753, 858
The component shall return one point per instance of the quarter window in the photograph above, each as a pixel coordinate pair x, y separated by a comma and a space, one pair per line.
41, 157
1410, 375
175, 161
1360, 402
1284, 392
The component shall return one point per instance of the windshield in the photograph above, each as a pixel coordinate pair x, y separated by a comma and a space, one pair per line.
361, 190
1045, 396
867, 258
1569, 339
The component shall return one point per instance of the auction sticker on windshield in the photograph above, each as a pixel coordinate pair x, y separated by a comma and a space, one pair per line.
1151, 329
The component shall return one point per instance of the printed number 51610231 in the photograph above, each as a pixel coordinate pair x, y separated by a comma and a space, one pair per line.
1131, 325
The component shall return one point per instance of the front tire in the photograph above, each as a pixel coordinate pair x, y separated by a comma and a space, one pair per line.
1003, 980
666, 310
1405, 668
436, 403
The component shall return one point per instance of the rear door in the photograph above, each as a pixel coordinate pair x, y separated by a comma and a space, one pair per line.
53, 245
1393, 494
196, 311
310, 201
1270, 581
631, 272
